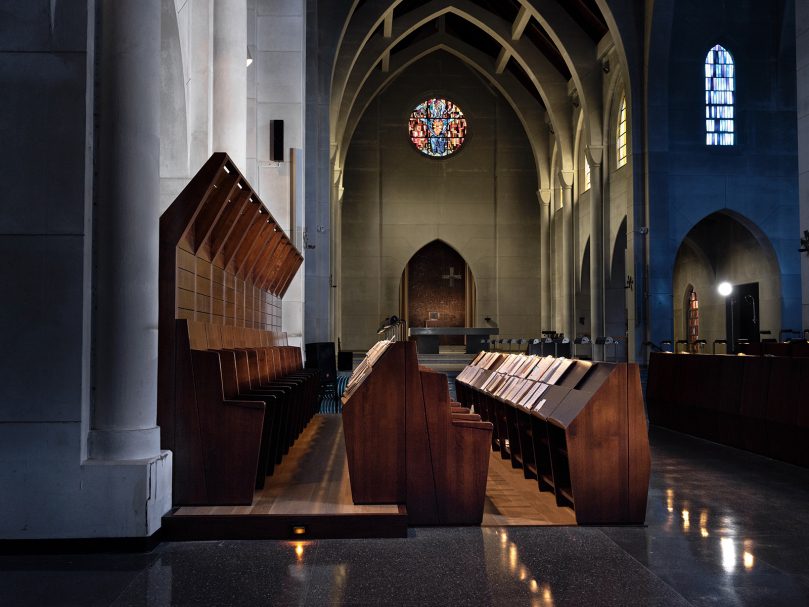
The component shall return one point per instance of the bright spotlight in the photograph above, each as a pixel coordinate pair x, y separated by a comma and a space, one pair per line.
725, 289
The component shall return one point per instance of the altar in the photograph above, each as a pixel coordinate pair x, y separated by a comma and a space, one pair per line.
477, 338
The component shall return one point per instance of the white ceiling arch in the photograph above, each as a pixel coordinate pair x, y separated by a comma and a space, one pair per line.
528, 110
580, 56
550, 84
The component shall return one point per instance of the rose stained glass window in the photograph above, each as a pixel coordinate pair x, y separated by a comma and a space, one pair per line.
437, 127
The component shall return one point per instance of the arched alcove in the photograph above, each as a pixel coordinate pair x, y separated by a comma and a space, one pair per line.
583, 295
722, 247
438, 290
615, 294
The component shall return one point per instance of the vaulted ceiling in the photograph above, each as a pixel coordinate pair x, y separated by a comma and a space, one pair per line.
537, 53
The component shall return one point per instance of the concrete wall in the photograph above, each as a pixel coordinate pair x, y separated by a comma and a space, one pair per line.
481, 201
44, 55
50, 489
802, 52
323, 21
275, 91
757, 178
275, 83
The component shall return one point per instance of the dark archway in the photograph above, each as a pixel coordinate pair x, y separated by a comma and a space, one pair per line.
583, 295
615, 296
438, 290
727, 247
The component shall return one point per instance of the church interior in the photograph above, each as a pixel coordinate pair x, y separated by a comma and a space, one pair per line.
405, 302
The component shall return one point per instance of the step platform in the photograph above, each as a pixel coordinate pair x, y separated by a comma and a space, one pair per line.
310, 492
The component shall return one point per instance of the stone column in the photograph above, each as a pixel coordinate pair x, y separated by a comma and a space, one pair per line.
568, 257
230, 79
596, 251
126, 235
546, 294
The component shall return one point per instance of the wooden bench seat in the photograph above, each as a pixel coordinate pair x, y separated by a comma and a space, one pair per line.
406, 443
749, 402
223, 456
574, 427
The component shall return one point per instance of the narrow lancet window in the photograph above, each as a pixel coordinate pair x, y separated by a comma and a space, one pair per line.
621, 134
720, 93
586, 174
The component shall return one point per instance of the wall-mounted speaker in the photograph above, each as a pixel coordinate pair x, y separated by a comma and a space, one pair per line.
277, 140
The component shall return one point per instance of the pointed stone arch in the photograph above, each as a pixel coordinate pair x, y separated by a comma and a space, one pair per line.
726, 246
438, 289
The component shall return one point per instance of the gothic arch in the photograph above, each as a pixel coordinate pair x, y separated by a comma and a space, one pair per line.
529, 112
725, 246
416, 247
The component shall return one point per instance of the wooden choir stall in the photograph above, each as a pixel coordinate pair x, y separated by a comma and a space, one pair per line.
755, 402
407, 444
232, 395
576, 428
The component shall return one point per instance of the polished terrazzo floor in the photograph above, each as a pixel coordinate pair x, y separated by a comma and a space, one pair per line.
724, 528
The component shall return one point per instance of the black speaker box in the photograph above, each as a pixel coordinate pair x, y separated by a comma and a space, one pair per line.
277, 140
320, 355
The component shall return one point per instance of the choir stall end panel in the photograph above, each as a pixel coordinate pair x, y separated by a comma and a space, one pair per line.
374, 432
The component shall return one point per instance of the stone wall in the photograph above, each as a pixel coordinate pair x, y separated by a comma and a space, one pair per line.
481, 201
757, 177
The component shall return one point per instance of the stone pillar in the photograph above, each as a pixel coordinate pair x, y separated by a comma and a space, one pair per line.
596, 251
126, 235
568, 258
546, 294
230, 79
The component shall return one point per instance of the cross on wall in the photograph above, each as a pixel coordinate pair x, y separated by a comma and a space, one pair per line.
452, 277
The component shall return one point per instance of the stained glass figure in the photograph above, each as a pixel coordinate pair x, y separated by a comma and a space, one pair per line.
720, 90
437, 127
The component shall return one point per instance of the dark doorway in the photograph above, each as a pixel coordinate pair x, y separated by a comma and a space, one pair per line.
742, 315
437, 284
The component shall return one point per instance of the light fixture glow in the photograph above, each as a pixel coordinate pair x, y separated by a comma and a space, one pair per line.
725, 289
249, 57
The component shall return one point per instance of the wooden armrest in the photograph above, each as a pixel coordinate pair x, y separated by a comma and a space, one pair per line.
476, 425
469, 417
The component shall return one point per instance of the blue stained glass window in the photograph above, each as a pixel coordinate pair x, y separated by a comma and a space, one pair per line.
720, 96
437, 127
